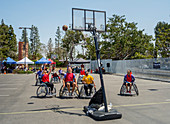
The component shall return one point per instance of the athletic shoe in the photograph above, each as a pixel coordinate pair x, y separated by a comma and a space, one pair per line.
50, 94
68, 94
129, 91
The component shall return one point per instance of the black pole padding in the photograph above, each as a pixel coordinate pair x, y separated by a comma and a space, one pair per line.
100, 71
97, 98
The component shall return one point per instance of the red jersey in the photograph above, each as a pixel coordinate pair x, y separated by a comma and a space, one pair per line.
69, 77
82, 72
45, 78
129, 78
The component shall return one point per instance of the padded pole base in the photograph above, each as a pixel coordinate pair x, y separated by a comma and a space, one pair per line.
102, 115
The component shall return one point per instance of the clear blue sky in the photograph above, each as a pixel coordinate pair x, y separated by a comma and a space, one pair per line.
48, 14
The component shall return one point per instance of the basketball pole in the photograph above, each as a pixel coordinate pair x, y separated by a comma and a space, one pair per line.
100, 71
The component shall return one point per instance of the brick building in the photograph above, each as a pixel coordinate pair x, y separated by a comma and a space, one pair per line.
21, 52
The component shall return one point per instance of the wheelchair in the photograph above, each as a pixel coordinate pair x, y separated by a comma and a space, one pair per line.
80, 78
64, 93
134, 89
43, 90
82, 93
55, 80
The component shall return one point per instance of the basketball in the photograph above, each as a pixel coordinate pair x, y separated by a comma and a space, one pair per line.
65, 27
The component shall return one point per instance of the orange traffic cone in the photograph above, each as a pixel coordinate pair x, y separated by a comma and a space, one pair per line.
4, 72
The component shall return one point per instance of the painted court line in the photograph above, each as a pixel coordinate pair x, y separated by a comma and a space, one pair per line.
8, 88
73, 109
14, 113
10, 84
4, 95
143, 104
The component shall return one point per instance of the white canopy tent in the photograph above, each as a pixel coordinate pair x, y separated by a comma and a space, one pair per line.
25, 61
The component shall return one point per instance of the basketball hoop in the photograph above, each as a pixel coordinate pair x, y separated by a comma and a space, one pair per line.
94, 21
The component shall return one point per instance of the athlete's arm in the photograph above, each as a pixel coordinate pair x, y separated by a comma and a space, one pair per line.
133, 78
94, 84
93, 81
74, 77
50, 69
64, 80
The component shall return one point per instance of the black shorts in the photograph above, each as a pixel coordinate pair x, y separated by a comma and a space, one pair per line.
71, 83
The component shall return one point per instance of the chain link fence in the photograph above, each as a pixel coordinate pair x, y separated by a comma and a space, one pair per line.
158, 68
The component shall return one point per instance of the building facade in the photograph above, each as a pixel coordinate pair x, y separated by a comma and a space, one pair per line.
22, 51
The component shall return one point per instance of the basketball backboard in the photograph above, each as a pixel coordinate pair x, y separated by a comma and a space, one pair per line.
87, 20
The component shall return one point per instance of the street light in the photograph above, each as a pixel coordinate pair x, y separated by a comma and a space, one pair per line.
25, 40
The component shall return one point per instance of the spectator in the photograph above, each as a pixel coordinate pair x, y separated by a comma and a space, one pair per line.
82, 66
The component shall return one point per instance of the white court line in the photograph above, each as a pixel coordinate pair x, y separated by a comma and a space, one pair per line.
10, 84
4, 95
8, 88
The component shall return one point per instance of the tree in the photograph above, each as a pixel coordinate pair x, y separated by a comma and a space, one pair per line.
35, 44
162, 36
124, 41
23, 37
81, 56
90, 46
58, 42
72, 39
12, 43
49, 48
8, 42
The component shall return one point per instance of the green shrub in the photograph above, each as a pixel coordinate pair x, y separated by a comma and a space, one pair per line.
14, 71
24, 72
29, 72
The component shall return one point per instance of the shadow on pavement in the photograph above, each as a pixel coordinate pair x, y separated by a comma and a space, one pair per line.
47, 97
153, 89
60, 110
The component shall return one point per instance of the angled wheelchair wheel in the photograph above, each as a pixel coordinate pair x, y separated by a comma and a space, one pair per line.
54, 81
76, 90
63, 92
54, 92
136, 89
122, 89
79, 80
42, 91
93, 91
82, 92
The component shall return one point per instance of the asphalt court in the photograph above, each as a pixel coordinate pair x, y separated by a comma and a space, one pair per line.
19, 103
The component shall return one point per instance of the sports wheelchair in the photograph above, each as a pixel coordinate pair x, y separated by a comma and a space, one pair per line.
134, 89
64, 93
43, 90
55, 79
82, 93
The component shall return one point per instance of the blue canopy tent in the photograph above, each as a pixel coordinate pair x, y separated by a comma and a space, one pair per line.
9, 61
43, 61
